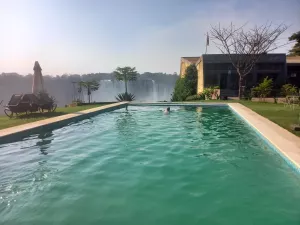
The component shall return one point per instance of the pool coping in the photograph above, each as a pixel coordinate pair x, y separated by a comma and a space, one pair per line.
177, 104
285, 143
63, 120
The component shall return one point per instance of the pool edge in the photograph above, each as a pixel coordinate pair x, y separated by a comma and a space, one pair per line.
177, 104
283, 142
63, 120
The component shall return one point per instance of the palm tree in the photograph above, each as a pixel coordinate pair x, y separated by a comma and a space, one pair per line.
126, 74
90, 87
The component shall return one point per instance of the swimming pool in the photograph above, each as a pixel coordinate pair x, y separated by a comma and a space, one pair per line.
198, 165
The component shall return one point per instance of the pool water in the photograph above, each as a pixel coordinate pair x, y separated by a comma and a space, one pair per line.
198, 165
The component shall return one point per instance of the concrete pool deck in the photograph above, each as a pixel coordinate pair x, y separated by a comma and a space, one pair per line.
58, 119
286, 143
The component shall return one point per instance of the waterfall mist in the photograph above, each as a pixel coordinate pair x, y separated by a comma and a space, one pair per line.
148, 87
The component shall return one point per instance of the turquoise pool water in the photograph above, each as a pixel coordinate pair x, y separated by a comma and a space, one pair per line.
194, 166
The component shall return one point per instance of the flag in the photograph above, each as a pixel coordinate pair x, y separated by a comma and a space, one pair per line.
207, 40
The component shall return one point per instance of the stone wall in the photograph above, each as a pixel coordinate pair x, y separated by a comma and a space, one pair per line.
183, 66
200, 85
270, 100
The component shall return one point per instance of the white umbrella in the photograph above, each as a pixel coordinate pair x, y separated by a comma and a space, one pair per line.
38, 81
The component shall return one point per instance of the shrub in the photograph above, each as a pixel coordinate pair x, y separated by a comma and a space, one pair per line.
125, 97
263, 89
190, 80
186, 86
248, 94
208, 93
288, 89
211, 92
200, 96
78, 102
180, 93
216, 88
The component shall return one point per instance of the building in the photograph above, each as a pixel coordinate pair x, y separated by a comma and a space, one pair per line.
293, 70
217, 70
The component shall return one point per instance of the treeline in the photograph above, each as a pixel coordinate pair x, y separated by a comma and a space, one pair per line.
158, 77
62, 87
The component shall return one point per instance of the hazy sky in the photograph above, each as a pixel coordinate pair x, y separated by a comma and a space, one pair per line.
84, 36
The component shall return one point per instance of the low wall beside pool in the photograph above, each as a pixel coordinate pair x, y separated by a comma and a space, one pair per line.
17, 132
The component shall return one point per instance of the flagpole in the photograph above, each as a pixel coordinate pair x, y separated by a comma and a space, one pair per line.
207, 42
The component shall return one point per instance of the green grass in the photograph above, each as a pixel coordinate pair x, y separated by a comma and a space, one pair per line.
283, 116
6, 122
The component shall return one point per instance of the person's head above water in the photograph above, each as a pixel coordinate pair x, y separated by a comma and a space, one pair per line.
167, 110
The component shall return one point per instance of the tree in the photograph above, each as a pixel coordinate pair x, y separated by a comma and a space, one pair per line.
244, 48
191, 79
296, 49
80, 92
187, 85
90, 87
179, 93
126, 74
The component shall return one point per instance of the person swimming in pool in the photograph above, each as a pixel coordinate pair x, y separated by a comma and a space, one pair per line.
167, 110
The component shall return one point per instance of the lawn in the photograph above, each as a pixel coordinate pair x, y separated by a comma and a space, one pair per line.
283, 116
6, 122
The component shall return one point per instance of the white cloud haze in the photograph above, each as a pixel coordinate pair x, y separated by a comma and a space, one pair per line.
61, 48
